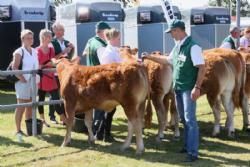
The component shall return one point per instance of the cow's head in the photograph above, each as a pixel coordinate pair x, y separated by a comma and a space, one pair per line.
156, 53
127, 54
62, 64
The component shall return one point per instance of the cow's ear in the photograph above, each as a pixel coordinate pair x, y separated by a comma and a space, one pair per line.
134, 51
241, 49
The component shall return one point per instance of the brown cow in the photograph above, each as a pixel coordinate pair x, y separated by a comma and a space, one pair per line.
246, 57
104, 87
160, 78
224, 82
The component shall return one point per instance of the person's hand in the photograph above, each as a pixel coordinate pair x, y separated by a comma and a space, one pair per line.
67, 50
22, 79
144, 55
49, 64
195, 94
70, 45
62, 56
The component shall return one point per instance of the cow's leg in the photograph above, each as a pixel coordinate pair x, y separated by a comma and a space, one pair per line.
135, 123
128, 139
88, 119
174, 121
138, 129
229, 108
245, 110
214, 103
161, 116
70, 120
166, 102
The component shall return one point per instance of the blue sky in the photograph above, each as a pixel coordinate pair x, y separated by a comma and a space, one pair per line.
181, 3
189, 3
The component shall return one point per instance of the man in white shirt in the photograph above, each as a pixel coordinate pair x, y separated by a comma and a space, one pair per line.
230, 41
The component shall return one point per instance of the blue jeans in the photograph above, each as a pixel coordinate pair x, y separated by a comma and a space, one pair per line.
186, 108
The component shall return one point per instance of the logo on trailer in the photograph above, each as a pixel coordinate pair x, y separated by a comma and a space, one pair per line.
168, 10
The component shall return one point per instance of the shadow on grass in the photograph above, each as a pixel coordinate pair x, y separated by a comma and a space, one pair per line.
23, 151
7, 141
42, 158
164, 152
6, 99
206, 129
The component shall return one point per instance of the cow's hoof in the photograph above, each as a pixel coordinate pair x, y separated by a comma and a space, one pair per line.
123, 148
91, 142
231, 135
176, 138
139, 152
65, 144
215, 134
158, 139
246, 128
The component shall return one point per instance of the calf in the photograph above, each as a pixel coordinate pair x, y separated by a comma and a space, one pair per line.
225, 82
246, 57
104, 87
160, 79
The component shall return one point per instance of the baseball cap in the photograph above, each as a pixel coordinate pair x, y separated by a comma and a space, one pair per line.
101, 25
175, 24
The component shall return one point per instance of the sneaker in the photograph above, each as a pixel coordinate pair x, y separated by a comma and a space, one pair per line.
109, 139
99, 136
46, 124
191, 158
183, 150
19, 137
23, 134
53, 121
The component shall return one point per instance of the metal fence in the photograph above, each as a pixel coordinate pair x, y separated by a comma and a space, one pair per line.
34, 103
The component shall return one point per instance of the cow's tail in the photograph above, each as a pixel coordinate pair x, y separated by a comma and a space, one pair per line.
243, 81
243, 97
237, 87
149, 113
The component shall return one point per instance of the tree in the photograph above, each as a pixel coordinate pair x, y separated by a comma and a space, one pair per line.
58, 2
126, 3
244, 9
129, 3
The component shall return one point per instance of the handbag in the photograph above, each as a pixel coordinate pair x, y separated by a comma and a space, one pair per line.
12, 77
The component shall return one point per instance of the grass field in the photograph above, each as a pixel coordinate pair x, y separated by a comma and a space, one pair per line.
45, 150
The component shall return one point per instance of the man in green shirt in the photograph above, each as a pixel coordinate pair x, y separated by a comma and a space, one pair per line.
102, 121
230, 41
188, 73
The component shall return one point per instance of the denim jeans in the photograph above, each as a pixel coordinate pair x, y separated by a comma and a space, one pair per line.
186, 108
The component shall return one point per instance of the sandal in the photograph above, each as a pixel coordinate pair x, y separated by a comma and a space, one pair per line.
45, 123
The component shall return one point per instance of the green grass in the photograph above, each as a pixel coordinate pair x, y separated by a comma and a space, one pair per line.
45, 150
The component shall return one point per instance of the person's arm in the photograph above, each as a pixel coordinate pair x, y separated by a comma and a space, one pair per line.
103, 57
86, 50
226, 45
198, 61
242, 42
158, 59
69, 50
17, 58
200, 77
